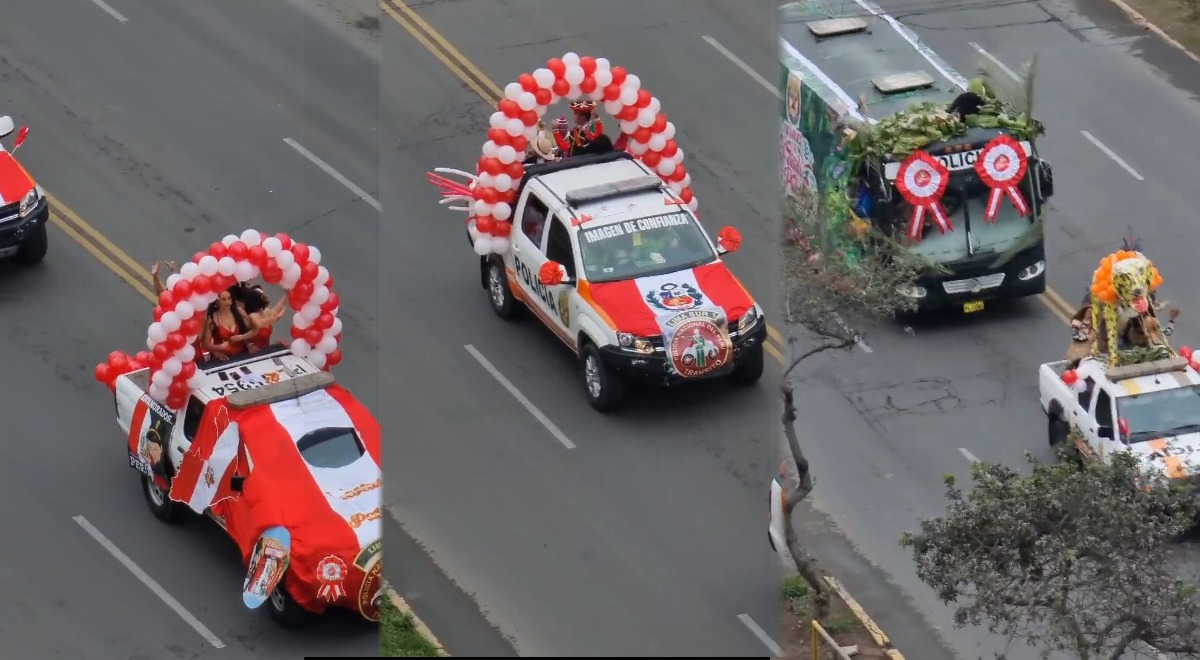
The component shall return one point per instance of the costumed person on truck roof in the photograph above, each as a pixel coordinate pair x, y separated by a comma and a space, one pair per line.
587, 127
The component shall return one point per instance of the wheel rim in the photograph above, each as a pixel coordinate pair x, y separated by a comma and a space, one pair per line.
277, 598
496, 286
155, 493
591, 375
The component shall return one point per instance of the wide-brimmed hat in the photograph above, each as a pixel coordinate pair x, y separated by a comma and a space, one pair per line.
543, 147
582, 106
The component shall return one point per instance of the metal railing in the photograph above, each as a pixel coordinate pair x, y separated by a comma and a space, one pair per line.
818, 634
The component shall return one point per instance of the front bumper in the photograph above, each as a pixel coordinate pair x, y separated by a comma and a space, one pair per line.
15, 231
653, 370
972, 284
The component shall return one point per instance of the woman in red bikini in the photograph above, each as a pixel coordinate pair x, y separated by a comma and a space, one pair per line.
226, 328
262, 315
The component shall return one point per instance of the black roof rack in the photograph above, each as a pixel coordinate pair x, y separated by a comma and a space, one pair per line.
570, 163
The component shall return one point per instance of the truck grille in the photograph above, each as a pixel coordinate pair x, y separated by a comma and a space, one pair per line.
973, 284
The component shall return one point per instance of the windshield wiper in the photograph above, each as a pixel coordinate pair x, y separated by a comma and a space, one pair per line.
1182, 429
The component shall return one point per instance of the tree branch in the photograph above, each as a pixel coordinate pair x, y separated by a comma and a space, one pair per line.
820, 348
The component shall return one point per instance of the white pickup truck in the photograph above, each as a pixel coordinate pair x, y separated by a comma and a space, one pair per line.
1150, 409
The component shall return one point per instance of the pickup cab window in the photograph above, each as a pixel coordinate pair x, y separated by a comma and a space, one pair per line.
1153, 415
1085, 397
558, 246
191, 419
1104, 410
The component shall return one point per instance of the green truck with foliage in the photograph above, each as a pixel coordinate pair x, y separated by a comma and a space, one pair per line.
885, 148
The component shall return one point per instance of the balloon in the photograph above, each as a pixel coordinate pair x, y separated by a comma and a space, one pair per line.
300, 322
527, 101
324, 321
175, 402
506, 154
574, 75
309, 271
557, 66
292, 274
334, 358
632, 81
192, 326
544, 78
182, 289
1185, 352
244, 270
666, 167
178, 388
257, 255
161, 379
144, 357
336, 328
157, 393
284, 259
512, 90
198, 256
502, 211
326, 344
186, 355
176, 341
251, 237
317, 359
172, 366
669, 131
226, 266
208, 265
504, 183
657, 142
170, 321
629, 96
500, 244
196, 381
311, 311
313, 335
619, 74
174, 279
645, 119
189, 271
228, 240
272, 274
314, 255
303, 289
161, 352
561, 87
483, 246
301, 347
156, 333
273, 246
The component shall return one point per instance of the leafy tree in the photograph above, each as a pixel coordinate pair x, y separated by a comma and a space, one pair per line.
837, 275
1072, 557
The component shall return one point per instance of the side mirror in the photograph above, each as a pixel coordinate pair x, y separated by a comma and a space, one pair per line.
1045, 178
6, 126
236, 482
21, 135
552, 273
1105, 432
729, 240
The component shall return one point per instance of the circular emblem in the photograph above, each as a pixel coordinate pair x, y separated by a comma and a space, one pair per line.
331, 573
673, 297
922, 179
699, 345
564, 308
370, 592
1002, 161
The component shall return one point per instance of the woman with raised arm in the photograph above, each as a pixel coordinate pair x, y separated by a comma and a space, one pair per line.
262, 315
226, 328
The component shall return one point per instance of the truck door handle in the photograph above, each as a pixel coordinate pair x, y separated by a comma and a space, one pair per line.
516, 250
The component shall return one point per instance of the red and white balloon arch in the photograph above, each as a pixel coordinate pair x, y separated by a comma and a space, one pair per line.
179, 316
515, 124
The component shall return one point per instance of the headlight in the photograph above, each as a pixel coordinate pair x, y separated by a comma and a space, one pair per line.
748, 320
912, 291
1030, 272
29, 202
634, 343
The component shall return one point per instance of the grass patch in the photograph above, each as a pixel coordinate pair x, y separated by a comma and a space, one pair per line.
1178, 18
841, 624
398, 635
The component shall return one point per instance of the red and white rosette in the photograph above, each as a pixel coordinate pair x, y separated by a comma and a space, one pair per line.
331, 573
493, 188
922, 181
1001, 165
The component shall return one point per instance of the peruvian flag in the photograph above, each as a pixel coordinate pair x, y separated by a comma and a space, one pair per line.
204, 475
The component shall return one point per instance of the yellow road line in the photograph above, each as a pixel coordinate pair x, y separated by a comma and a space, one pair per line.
773, 352
67, 214
424, 41
103, 258
449, 48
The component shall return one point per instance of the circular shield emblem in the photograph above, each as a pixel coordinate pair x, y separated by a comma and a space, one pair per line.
673, 297
699, 345
371, 590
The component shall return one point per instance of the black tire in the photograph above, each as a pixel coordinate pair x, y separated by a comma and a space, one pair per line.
751, 368
33, 250
603, 388
285, 611
1057, 430
160, 503
495, 282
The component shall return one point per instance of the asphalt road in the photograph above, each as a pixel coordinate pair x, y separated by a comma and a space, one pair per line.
643, 539
167, 131
924, 402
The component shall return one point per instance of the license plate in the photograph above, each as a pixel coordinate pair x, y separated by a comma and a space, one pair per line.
973, 306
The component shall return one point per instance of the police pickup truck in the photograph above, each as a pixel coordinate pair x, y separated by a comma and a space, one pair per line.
1150, 409
646, 296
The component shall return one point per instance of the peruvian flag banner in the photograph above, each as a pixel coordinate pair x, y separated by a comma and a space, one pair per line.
204, 473
922, 181
1001, 165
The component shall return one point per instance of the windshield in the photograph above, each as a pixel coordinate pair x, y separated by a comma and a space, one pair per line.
330, 447
643, 248
1156, 414
965, 201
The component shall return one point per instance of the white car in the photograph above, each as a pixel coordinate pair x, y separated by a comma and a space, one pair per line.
1151, 409
645, 297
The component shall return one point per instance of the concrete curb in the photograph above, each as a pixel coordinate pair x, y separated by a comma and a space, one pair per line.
1141, 21
424, 630
876, 632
